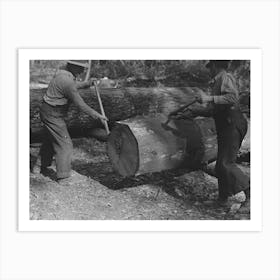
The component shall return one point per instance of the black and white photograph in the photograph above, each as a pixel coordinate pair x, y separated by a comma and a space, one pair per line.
139, 139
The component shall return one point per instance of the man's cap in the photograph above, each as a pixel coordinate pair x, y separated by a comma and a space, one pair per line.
218, 63
82, 63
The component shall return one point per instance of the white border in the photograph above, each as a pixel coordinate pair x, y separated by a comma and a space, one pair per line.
254, 224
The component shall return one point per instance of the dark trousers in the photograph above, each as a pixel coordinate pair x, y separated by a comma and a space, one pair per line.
57, 142
231, 179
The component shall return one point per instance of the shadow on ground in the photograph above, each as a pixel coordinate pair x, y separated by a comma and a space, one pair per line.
103, 172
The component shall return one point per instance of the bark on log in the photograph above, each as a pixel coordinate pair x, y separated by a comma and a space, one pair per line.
143, 144
119, 104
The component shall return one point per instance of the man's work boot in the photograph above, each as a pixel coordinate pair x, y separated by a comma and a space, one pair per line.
223, 202
47, 172
36, 169
220, 202
246, 206
64, 181
35, 166
67, 180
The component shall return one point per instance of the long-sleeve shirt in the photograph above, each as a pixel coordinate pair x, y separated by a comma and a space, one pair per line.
225, 90
226, 111
63, 89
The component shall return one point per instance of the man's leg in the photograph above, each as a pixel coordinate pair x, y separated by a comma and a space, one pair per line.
59, 139
63, 148
60, 144
237, 180
245, 208
221, 169
231, 179
46, 152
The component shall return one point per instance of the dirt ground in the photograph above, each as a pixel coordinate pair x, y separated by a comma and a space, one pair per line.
96, 192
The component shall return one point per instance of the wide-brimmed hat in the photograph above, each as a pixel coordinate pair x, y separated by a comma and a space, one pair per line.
82, 63
217, 63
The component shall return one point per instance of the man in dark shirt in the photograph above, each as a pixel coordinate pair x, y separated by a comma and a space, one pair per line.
62, 90
231, 126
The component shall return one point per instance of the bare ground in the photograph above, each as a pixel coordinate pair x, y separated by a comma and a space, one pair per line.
96, 192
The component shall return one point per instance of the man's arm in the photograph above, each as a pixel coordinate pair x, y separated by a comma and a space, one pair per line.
82, 85
206, 111
86, 84
74, 96
229, 93
194, 112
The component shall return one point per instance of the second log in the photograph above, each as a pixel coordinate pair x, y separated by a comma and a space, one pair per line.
144, 144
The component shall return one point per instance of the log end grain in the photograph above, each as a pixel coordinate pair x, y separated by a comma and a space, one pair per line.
122, 148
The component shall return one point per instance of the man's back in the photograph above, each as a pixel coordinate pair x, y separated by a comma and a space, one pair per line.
56, 94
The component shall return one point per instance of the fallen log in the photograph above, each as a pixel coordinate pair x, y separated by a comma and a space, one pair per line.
119, 104
144, 144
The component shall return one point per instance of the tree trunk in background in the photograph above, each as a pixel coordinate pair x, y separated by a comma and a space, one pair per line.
119, 104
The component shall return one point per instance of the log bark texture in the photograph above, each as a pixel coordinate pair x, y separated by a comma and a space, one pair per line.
144, 144
119, 104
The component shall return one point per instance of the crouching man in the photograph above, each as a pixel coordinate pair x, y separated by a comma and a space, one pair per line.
62, 91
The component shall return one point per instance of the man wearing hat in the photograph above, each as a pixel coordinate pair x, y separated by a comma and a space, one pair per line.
231, 128
62, 90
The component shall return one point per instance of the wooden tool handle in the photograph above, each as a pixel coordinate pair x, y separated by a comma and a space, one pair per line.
102, 109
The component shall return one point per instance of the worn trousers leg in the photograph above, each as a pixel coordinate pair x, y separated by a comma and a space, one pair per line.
231, 179
60, 141
46, 151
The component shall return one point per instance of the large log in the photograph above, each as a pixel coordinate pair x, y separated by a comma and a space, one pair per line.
144, 144
119, 104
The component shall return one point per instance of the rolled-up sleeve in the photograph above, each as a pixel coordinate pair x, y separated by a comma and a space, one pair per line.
229, 92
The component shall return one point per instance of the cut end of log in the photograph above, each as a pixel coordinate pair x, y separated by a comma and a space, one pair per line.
123, 150
143, 144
